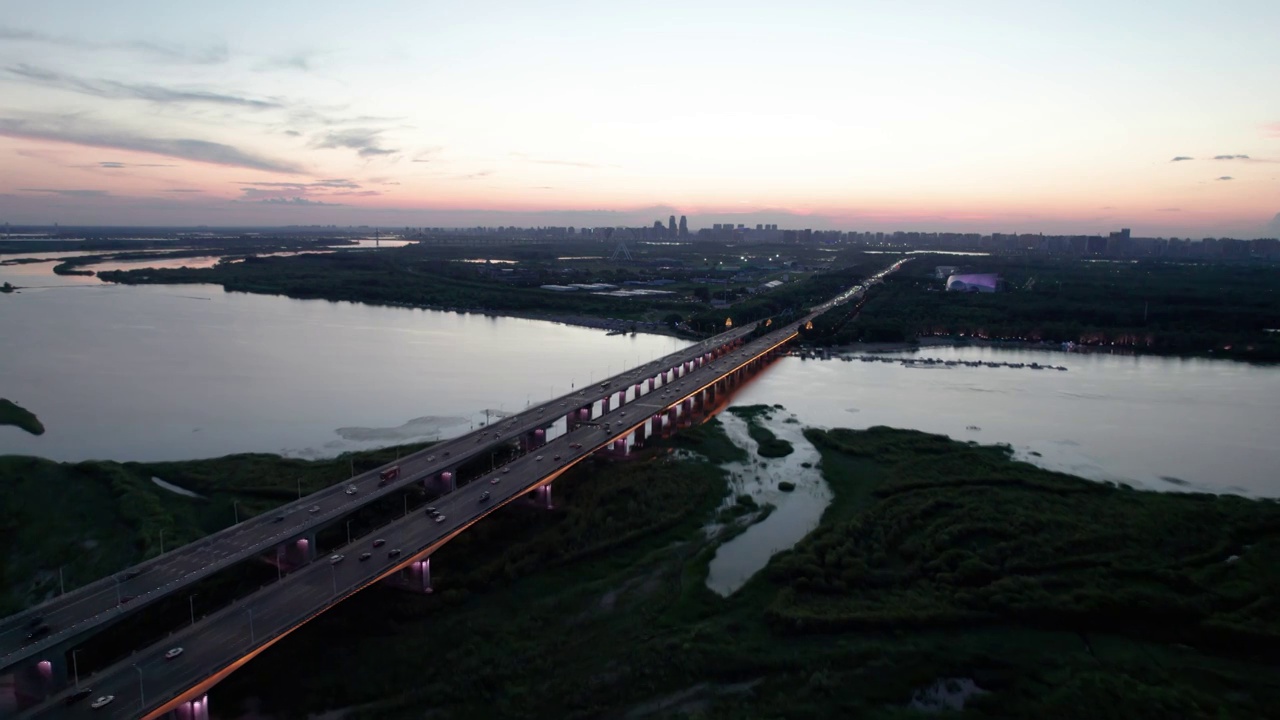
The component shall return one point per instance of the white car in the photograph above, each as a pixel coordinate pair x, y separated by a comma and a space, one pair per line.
506, 470
315, 508
335, 559
175, 652
537, 458
102, 701
439, 518
351, 489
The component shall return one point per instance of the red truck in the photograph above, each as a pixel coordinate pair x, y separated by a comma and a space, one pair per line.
388, 475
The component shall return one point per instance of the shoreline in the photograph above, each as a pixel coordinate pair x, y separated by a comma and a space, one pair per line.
934, 342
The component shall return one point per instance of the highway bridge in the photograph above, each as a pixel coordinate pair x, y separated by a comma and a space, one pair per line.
608, 417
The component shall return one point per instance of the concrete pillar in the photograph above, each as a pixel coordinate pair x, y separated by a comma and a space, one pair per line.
636, 391
196, 709
639, 436
539, 437
651, 384
604, 404
671, 422
448, 479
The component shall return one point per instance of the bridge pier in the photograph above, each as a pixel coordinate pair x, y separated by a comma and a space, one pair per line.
294, 554
638, 435
415, 578
544, 494
195, 709
35, 682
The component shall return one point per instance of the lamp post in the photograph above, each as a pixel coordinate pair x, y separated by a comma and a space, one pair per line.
334, 568
348, 532
191, 603
299, 488
117, 579
142, 693
161, 541
75, 666
235, 508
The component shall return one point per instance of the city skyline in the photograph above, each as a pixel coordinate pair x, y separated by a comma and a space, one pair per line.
1072, 119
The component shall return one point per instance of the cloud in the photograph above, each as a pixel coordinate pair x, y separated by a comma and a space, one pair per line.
71, 129
293, 133
358, 193
114, 90
428, 154
298, 61
200, 56
182, 190
1272, 129
341, 183
112, 165
1181, 158
1226, 177
472, 176
66, 193
364, 141
1230, 157
296, 202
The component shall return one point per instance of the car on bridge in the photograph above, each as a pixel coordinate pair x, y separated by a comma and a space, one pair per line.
173, 653
39, 632
77, 696
102, 702
335, 559
439, 518
365, 556
315, 508
494, 481
394, 552
351, 489
379, 542
484, 496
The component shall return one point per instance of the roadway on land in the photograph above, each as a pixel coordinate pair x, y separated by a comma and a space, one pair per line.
115, 596
228, 638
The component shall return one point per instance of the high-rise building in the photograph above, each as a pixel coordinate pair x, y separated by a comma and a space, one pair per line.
684, 227
671, 226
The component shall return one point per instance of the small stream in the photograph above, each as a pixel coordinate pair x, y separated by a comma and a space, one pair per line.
796, 513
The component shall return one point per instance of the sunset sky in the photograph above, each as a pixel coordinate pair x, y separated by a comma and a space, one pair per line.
976, 116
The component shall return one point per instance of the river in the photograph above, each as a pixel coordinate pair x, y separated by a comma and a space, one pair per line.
188, 371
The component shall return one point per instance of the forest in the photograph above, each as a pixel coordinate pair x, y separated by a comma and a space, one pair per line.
1225, 310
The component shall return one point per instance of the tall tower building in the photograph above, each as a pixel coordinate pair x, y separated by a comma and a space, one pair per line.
671, 226
684, 227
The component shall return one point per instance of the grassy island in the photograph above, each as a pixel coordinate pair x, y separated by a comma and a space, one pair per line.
770, 445
19, 417
938, 564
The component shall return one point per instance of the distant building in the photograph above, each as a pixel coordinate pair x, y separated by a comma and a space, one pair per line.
684, 227
973, 283
671, 226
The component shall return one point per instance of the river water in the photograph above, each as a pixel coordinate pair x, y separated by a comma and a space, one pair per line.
191, 371
186, 371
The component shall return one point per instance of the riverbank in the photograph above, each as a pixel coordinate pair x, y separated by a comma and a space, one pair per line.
13, 414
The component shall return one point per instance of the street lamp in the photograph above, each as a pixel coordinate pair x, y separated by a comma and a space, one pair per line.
191, 602
251, 638
235, 508
142, 694
334, 568
75, 666
349, 532
117, 579
161, 541
299, 488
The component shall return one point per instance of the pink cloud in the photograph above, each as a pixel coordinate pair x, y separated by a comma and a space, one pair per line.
1272, 129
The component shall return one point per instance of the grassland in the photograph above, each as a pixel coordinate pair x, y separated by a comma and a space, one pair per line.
936, 559
1057, 596
13, 414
